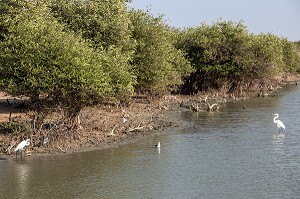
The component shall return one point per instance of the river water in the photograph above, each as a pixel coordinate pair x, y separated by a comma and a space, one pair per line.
233, 153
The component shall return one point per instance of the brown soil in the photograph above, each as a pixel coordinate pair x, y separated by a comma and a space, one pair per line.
100, 127
106, 126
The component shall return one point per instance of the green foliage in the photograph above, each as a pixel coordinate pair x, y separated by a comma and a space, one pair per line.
215, 52
157, 64
105, 23
226, 55
291, 56
297, 43
8, 11
41, 60
116, 65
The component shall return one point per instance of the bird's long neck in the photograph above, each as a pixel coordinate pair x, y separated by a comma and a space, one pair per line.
274, 120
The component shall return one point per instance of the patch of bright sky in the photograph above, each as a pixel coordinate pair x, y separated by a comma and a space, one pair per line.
280, 17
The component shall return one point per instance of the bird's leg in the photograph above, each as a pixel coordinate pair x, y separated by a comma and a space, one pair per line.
21, 155
16, 155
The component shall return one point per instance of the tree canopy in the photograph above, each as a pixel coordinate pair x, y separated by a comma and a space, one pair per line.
156, 62
42, 61
225, 54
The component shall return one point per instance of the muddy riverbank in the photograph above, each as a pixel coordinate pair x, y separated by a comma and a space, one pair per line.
111, 126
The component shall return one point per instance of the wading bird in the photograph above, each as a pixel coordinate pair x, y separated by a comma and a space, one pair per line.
157, 145
279, 123
21, 146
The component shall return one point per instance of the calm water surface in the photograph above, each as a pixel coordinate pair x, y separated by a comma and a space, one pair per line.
226, 154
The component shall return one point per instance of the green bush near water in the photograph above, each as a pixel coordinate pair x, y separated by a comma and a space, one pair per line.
72, 54
226, 56
41, 61
156, 62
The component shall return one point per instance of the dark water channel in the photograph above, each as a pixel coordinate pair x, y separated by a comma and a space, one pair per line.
227, 154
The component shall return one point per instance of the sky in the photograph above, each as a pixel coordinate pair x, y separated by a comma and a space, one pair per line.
279, 17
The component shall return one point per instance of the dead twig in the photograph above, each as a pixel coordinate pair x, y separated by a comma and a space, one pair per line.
139, 128
112, 132
12, 144
61, 149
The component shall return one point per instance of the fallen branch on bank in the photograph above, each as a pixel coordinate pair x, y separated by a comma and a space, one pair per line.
139, 128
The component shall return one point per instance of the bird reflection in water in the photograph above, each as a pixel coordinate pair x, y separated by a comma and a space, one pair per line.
22, 172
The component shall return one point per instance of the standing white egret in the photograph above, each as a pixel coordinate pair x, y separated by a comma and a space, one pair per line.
21, 146
157, 145
279, 123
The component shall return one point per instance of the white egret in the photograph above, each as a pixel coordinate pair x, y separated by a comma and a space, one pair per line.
21, 146
157, 145
279, 123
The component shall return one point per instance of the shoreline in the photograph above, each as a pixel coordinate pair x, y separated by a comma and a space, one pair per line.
102, 127
165, 124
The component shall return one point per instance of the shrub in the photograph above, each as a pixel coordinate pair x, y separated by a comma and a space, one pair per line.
291, 56
157, 64
215, 52
41, 60
107, 26
226, 55
8, 10
105, 23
